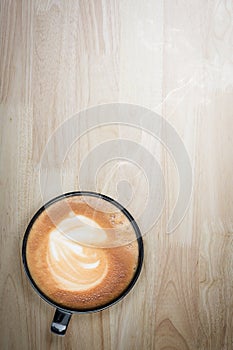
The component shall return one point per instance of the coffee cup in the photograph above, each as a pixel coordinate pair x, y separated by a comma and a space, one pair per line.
82, 252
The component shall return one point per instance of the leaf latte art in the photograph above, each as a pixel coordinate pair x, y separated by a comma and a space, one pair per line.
73, 265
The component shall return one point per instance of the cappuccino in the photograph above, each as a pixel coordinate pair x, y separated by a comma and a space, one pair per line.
82, 252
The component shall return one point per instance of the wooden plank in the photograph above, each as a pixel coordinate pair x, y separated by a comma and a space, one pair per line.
175, 58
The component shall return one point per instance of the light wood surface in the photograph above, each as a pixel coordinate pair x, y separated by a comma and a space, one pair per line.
173, 57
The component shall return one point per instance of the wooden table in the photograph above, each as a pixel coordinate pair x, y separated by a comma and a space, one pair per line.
174, 58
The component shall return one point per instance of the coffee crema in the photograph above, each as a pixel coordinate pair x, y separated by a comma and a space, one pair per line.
82, 252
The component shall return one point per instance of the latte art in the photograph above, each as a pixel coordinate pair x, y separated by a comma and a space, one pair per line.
82, 254
71, 264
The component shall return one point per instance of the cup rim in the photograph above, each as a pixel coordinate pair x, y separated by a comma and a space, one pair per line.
138, 237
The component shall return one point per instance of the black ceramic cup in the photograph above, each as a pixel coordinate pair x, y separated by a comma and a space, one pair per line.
62, 315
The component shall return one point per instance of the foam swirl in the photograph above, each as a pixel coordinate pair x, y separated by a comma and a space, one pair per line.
73, 265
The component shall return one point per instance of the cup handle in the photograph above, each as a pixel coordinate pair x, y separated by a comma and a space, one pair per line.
60, 322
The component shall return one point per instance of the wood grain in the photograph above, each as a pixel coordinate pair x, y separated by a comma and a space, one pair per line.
173, 57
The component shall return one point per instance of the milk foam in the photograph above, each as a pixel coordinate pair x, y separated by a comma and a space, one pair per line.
72, 264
